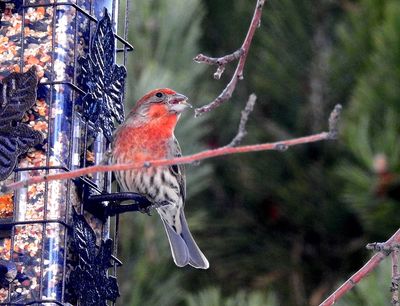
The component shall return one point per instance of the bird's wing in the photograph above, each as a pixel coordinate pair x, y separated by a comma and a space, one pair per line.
178, 170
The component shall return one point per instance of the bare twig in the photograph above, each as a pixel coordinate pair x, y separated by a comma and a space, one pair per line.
219, 61
243, 121
280, 146
384, 249
334, 121
226, 94
395, 277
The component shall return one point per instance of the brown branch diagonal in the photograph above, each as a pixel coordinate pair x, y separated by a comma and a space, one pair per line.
241, 53
384, 250
281, 145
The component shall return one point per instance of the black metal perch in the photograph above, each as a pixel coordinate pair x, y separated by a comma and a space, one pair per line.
115, 207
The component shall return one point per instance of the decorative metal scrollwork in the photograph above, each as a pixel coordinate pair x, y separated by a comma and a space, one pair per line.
2, 9
103, 80
18, 94
8, 272
89, 280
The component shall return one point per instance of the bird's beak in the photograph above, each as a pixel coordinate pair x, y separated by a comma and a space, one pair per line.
178, 103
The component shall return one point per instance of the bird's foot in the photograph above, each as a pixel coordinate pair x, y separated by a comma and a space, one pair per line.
147, 210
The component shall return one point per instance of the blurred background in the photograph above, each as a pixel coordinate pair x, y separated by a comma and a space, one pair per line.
279, 228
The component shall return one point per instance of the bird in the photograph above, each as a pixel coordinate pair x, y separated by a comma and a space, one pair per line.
148, 134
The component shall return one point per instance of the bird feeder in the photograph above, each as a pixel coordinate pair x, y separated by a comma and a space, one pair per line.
62, 96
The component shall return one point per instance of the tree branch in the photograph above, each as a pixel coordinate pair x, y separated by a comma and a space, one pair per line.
219, 61
384, 250
243, 121
334, 121
280, 146
226, 94
395, 276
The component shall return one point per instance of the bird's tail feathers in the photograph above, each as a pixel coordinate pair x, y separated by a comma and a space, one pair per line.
183, 247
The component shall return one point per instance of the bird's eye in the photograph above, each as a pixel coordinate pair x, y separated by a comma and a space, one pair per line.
159, 94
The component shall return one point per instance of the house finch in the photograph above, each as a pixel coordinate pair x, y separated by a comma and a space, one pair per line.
146, 134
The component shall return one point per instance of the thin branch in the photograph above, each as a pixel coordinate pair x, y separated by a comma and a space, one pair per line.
334, 121
395, 276
280, 146
384, 250
219, 61
226, 94
243, 121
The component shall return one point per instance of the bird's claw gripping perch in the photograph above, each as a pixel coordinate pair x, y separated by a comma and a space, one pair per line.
147, 210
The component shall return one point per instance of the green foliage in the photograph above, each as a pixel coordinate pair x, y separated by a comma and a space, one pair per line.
285, 51
214, 297
377, 87
166, 35
371, 125
354, 45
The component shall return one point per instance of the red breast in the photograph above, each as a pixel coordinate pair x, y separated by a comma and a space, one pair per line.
148, 140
